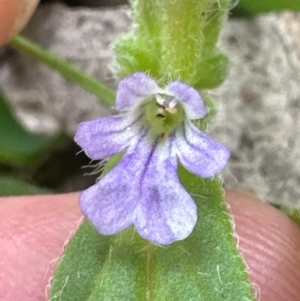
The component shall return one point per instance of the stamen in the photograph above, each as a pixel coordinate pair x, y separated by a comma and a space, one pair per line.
160, 100
167, 102
159, 105
173, 103
171, 110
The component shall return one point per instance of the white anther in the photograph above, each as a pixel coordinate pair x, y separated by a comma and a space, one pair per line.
166, 101
173, 103
159, 99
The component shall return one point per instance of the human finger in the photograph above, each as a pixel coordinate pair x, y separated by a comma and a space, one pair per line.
14, 15
270, 244
34, 230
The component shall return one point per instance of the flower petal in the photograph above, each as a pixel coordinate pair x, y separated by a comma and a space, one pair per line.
110, 204
199, 153
166, 212
143, 189
103, 137
189, 97
133, 89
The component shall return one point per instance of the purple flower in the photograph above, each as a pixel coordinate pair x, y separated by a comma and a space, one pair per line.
154, 131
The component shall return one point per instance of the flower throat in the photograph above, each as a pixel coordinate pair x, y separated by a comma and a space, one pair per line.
163, 114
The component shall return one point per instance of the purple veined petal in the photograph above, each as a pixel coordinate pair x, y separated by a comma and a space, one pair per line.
143, 189
189, 97
133, 89
103, 137
110, 205
166, 212
199, 153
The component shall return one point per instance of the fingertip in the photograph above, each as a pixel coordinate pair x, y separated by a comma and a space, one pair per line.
270, 245
33, 232
14, 15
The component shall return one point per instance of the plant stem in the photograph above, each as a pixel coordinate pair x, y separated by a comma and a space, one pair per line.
90, 84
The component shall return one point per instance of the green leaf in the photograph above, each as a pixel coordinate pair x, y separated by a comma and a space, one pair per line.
253, 7
125, 267
84, 257
293, 213
17, 146
11, 186
176, 40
